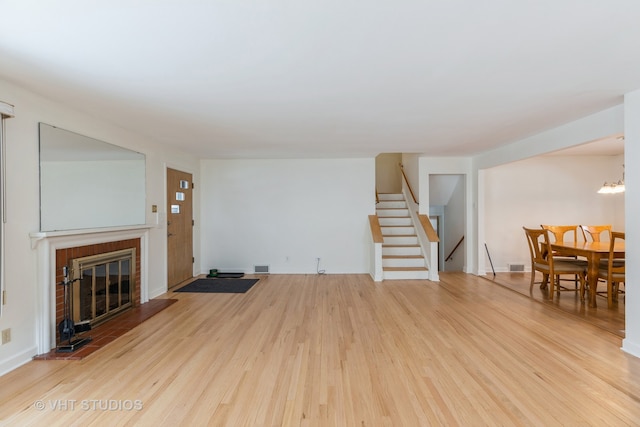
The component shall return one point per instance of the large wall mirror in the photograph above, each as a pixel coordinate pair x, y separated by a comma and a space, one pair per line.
86, 183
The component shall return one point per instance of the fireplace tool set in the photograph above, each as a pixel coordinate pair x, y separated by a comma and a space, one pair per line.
67, 328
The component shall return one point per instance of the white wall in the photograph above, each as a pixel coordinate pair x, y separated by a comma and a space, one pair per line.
546, 190
454, 227
631, 343
19, 313
286, 213
388, 175
411, 166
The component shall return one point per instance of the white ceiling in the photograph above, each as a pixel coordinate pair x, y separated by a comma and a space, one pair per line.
330, 78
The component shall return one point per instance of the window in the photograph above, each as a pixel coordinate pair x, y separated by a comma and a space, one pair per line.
6, 111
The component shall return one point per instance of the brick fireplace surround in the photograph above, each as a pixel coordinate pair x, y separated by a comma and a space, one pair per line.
56, 249
65, 256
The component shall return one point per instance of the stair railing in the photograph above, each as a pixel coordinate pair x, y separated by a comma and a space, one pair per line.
413, 196
454, 249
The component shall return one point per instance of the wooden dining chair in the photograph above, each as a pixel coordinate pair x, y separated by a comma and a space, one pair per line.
560, 232
543, 260
593, 233
614, 271
566, 233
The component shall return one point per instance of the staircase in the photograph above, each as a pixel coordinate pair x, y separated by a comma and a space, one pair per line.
402, 256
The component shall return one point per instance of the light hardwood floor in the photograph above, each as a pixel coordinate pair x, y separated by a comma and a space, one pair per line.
341, 350
611, 319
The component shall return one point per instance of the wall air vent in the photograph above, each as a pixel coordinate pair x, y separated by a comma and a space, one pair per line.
261, 269
516, 268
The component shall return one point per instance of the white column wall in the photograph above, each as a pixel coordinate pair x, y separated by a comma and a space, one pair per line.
631, 343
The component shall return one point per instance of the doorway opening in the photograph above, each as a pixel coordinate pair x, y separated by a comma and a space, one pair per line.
447, 207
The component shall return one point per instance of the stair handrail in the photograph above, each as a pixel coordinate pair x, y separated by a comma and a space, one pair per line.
454, 249
408, 185
377, 196
376, 231
431, 233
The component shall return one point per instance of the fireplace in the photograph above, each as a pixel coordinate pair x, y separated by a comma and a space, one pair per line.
102, 286
98, 272
59, 249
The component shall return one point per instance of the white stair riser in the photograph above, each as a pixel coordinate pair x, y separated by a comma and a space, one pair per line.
400, 204
391, 231
392, 212
384, 222
400, 240
401, 250
399, 196
398, 229
404, 275
403, 262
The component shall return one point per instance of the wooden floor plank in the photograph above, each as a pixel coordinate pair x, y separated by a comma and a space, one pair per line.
611, 319
336, 350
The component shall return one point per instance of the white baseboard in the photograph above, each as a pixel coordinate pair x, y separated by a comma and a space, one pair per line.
631, 347
18, 360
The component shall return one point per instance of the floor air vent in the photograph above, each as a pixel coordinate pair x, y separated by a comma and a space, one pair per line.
261, 269
516, 268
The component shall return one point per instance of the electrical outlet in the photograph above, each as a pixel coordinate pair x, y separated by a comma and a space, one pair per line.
6, 335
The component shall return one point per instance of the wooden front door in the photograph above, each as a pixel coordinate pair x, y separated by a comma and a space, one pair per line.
179, 227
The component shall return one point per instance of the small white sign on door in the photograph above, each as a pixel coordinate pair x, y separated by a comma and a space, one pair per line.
180, 196
175, 209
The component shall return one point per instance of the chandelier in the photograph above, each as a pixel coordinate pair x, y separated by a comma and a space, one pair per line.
614, 187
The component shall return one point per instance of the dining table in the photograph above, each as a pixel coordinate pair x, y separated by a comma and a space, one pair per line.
593, 252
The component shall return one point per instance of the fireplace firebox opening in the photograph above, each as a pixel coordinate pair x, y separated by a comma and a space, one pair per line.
104, 286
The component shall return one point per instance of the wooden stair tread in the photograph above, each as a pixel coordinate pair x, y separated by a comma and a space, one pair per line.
403, 256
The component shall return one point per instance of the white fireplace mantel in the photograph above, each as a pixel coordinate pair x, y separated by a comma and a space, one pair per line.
48, 242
